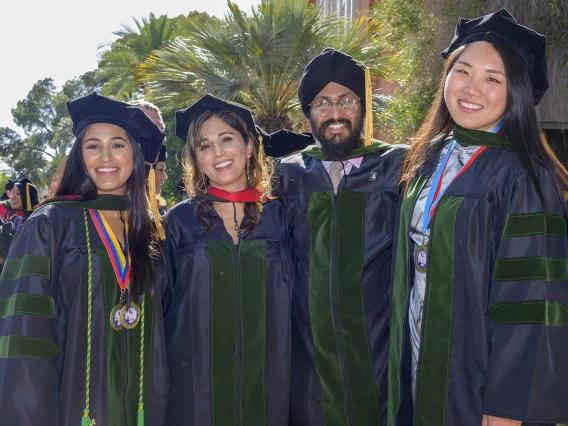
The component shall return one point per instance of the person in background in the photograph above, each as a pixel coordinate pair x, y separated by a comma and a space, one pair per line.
160, 177
24, 198
152, 171
479, 328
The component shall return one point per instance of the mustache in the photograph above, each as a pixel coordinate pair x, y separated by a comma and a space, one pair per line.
328, 123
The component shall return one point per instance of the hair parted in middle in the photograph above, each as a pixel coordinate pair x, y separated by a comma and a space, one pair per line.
196, 182
142, 240
521, 126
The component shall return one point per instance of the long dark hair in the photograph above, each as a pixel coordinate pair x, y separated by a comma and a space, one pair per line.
261, 169
520, 125
141, 233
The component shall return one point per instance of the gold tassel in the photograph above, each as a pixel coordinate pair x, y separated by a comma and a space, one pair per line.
28, 198
154, 204
368, 108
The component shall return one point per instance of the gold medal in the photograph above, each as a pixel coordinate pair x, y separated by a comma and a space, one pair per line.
421, 257
130, 315
115, 316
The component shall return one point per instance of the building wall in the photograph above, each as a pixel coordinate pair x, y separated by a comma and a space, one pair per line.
347, 8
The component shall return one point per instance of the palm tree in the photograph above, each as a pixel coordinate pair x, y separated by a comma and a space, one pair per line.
256, 59
118, 66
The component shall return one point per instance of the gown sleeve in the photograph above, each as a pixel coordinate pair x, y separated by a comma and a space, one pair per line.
527, 376
30, 346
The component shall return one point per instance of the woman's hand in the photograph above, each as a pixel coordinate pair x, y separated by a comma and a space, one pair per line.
499, 421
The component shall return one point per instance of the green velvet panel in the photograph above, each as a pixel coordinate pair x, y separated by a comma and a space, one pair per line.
224, 342
531, 268
115, 343
27, 347
478, 138
102, 202
252, 259
541, 312
434, 360
399, 301
522, 225
352, 318
27, 304
315, 151
320, 222
29, 265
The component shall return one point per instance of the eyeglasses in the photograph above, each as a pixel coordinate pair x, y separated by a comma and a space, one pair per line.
323, 108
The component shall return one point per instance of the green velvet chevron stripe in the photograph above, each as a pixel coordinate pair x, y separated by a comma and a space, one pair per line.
541, 312
352, 318
327, 362
522, 225
29, 265
553, 269
399, 300
224, 343
27, 304
434, 364
27, 347
115, 345
252, 259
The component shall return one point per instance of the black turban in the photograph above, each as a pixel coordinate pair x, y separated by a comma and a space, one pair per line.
330, 66
95, 108
501, 28
163, 155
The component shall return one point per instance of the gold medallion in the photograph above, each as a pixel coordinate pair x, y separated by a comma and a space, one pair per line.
421, 257
130, 315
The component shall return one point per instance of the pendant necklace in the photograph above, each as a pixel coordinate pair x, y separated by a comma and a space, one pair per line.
122, 315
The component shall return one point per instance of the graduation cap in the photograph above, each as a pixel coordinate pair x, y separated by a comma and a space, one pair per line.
284, 142
28, 193
95, 108
335, 66
185, 117
163, 154
501, 28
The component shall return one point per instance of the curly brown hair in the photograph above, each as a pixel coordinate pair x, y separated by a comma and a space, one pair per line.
196, 183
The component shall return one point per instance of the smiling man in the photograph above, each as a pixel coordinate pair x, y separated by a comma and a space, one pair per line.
341, 196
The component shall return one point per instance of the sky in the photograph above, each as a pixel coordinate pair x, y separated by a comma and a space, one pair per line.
61, 39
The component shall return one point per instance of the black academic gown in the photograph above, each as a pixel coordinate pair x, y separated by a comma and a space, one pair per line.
228, 320
494, 329
43, 329
342, 259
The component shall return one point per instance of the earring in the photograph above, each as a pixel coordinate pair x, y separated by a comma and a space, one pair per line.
248, 170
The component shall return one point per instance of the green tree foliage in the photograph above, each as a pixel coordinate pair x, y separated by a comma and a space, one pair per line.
46, 125
255, 58
118, 67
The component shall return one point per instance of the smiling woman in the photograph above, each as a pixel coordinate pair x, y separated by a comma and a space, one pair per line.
230, 275
479, 331
84, 344
109, 157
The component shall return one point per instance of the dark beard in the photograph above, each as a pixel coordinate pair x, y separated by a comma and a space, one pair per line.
337, 147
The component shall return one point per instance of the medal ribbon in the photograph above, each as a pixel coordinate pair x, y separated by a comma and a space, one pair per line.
120, 262
435, 193
250, 195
